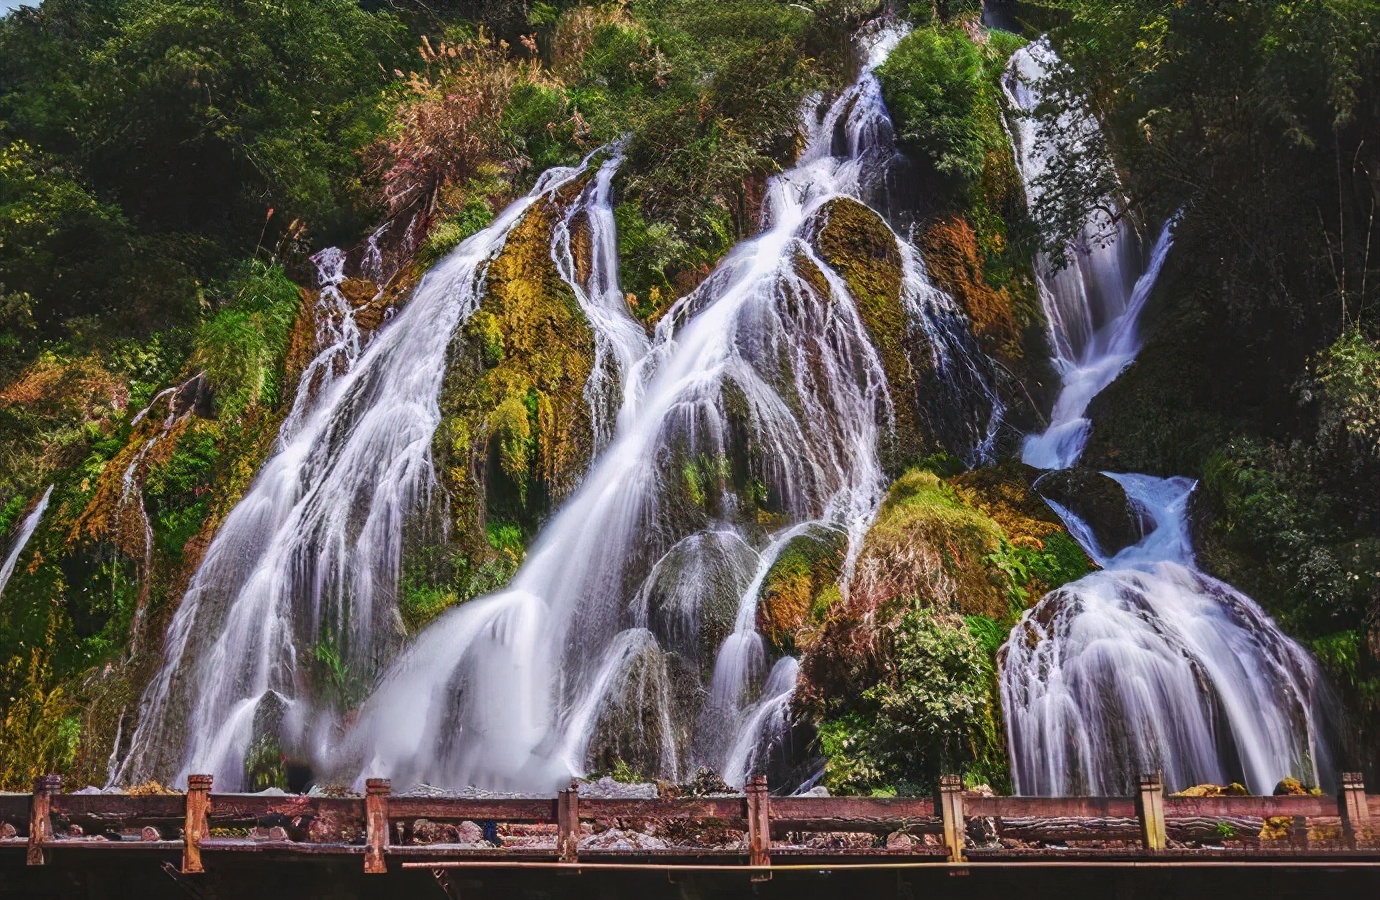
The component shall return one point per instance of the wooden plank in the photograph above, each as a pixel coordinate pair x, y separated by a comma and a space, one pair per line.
1353, 809
978, 806
95, 813
1248, 807
726, 808
950, 803
1150, 811
40, 818
451, 809
568, 823
194, 827
870, 814
1060, 829
376, 792
232, 810
759, 821
861, 815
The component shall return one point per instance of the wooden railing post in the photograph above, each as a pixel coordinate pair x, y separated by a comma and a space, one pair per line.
950, 803
376, 792
568, 823
40, 820
1150, 811
1351, 804
194, 825
758, 821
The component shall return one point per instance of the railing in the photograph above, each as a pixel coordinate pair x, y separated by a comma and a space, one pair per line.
761, 830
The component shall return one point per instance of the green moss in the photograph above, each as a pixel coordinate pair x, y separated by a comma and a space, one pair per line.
928, 546
860, 247
514, 391
901, 676
800, 588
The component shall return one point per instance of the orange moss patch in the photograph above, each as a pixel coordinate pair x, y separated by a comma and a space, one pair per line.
1003, 493
955, 262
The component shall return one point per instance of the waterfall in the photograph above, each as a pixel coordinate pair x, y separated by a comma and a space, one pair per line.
310, 556
1150, 664
763, 374
620, 342
1093, 301
21, 537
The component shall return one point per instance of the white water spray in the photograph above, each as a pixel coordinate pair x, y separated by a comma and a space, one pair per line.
758, 375
21, 537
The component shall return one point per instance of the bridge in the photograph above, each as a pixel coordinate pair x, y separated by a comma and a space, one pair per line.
751, 837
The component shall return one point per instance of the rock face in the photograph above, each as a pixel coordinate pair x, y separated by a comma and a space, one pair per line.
927, 545
1100, 502
862, 250
800, 587
515, 434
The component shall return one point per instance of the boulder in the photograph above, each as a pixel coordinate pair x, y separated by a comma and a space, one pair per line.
1290, 786
1100, 502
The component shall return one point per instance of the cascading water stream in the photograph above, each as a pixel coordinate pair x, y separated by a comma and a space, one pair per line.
620, 343
337, 334
759, 372
21, 537
132, 488
310, 557
1148, 665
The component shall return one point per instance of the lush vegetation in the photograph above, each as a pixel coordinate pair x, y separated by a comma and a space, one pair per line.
901, 675
167, 165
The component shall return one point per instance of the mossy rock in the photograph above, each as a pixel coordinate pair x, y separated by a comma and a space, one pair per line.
800, 587
1003, 492
929, 548
1235, 789
859, 246
1102, 504
515, 435
646, 719
956, 264
690, 599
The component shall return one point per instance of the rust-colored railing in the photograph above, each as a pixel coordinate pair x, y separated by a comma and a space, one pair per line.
954, 827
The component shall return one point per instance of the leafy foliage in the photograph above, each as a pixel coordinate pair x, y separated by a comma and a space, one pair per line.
933, 713
241, 348
39, 733
933, 82
1349, 372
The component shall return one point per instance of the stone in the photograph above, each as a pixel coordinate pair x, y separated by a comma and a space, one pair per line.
900, 842
1213, 790
425, 831
1290, 786
1100, 502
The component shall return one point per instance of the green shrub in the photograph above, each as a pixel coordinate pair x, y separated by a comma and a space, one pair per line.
448, 233
934, 85
935, 713
1349, 372
241, 347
